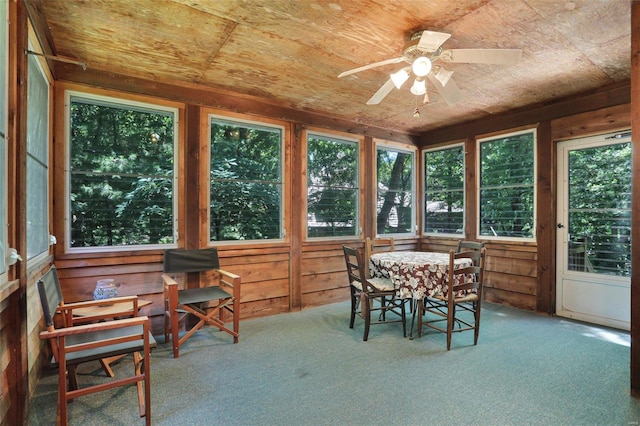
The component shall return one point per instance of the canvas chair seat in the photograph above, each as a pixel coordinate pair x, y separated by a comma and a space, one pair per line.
202, 295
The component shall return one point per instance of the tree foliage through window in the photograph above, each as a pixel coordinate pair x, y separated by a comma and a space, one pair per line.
507, 186
246, 182
332, 187
121, 174
395, 177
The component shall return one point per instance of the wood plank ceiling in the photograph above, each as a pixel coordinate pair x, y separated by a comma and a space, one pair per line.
290, 52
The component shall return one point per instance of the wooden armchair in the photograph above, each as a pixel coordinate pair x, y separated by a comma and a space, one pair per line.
210, 304
74, 345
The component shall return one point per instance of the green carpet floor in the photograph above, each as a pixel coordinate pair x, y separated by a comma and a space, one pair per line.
309, 368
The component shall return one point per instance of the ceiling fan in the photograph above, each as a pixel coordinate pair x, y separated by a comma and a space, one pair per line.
424, 53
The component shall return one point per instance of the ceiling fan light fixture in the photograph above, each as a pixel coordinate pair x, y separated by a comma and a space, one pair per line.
399, 78
421, 66
419, 87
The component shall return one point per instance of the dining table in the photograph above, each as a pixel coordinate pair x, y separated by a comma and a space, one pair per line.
416, 274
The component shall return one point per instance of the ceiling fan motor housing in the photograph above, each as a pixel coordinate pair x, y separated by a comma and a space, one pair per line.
411, 50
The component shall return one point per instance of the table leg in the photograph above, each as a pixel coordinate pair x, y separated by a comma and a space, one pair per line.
414, 305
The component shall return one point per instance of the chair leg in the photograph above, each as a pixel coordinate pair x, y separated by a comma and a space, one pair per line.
366, 313
137, 360
354, 308
404, 318
72, 376
450, 320
476, 331
175, 335
419, 313
61, 416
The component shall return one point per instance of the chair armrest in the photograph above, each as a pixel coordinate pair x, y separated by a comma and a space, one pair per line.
232, 280
86, 328
99, 302
167, 280
91, 309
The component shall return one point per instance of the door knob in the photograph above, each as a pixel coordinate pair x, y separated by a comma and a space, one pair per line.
560, 226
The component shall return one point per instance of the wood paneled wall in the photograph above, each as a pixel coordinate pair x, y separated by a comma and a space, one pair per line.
296, 273
279, 277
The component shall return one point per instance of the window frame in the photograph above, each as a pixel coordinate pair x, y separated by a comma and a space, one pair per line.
404, 148
4, 146
205, 195
112, 99
318, 134
43, 72
424, 190
479, 142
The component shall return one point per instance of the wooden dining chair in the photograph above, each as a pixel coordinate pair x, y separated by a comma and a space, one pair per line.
211, 303
77, 344
462, 303
365, 292
378, 245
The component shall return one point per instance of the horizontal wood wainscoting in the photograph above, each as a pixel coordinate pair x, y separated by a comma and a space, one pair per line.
323, 271
264, 274
510, 271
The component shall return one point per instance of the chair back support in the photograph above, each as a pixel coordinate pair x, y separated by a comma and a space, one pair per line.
464, 245
475, 270
379, 245
355, 272
179, 260
50, 295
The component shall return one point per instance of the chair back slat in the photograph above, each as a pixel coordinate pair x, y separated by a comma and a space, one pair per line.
353, 261
471, 276
465, 245
50, 294
179, 260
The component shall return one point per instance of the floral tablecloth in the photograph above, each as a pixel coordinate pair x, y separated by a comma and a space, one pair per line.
415, 274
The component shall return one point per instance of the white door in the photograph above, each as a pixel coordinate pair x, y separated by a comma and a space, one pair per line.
593, 268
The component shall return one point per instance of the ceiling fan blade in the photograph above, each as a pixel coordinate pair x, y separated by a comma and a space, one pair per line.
450, 92
381, 93
483, 56
432, 40
374, 65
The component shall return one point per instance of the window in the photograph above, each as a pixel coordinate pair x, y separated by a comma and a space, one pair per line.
121, 178
507, 185
444, 190
4, 54
246, 181
37, 160
394, 204
332, 187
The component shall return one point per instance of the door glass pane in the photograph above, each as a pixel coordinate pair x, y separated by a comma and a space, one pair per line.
600, 210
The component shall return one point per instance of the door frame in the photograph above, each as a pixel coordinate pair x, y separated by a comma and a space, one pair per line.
562, 275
